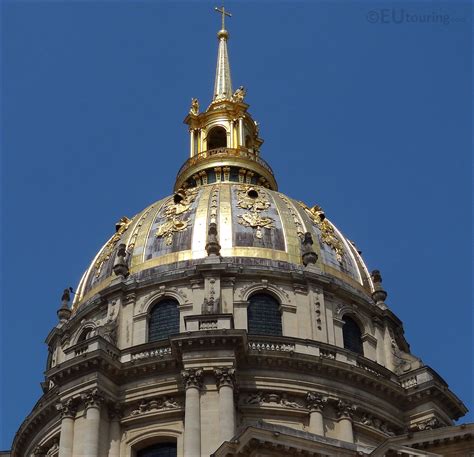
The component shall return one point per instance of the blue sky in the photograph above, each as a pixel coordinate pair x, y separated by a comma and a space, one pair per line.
363, 113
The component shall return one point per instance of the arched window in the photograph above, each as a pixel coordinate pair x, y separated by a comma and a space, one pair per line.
217, 138
163, 320
248, 141
159, 450
85, 334
263, 315
352, 335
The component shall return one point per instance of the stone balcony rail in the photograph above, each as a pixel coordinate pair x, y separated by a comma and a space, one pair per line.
94, 343
225, 152
261, 344
318, 349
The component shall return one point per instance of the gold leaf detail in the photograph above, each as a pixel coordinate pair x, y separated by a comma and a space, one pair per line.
173, 209
328, 234
254, 201
121, 227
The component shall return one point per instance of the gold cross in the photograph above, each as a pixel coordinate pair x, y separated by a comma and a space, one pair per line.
224, 14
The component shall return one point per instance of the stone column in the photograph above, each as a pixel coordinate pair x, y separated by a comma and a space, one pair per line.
68, 415
191, 142
225, 380
379, 335
192, 414
231, 142
345, 412
115, 432
315, 403
241, 131
93, 400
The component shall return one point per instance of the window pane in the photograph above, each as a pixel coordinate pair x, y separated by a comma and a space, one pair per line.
159, 450
352, 336
164, 320
263, 314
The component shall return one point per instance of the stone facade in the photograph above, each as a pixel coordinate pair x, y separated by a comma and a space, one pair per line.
213, 380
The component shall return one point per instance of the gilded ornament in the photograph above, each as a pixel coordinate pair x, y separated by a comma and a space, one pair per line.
296, 219
121, 227
255, 221
328, 234
254, 201
179, 205
133, 238
170, 227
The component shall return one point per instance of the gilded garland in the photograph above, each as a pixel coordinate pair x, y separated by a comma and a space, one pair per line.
328, 234
254, 202
121, 228
174, 212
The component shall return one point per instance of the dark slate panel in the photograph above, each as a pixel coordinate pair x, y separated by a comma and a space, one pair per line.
181, 240
246, 236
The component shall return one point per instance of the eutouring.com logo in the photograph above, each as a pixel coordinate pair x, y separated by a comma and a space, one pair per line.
402, 16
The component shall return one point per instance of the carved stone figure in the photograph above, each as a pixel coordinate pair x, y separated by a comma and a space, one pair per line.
213, 247
403, 361
109, 330
120, 228
379, 295
428, 424
210, 306
170, 403
289, 403
307, 253
64, 313
328, 234
120, 265
255, 398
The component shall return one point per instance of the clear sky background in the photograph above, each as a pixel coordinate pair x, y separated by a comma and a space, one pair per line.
369, 118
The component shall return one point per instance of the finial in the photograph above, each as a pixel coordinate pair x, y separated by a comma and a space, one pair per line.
213, 247
307, 253
64, 313
223, 83
120, 265
379, 294
224, 14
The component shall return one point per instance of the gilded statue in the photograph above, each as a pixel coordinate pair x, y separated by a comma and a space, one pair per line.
194, 107
239, 94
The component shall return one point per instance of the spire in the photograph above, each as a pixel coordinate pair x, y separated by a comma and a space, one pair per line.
223, 83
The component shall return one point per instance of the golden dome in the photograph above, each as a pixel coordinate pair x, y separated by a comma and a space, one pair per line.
252, 222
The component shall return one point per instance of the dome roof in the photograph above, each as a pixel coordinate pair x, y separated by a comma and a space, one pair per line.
252, 221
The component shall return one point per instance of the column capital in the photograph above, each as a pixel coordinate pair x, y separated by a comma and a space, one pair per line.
93, 398
225, 377
192, 377
315, 401
67, 408
345, 410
